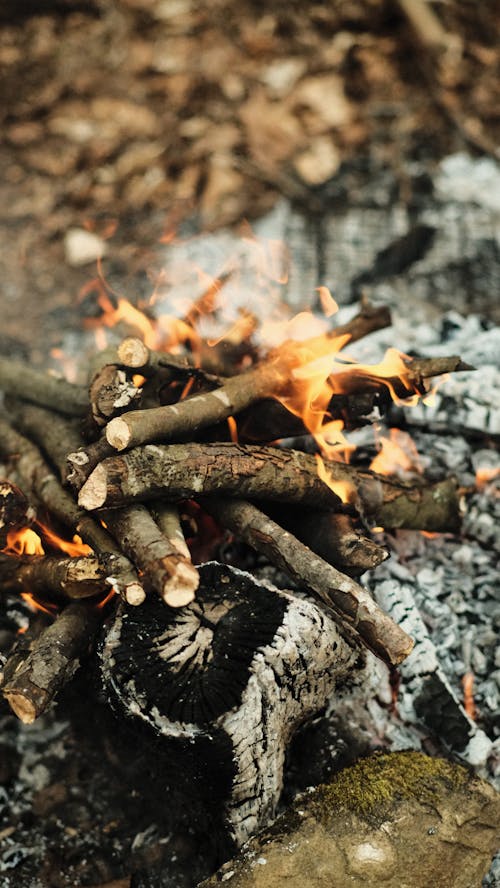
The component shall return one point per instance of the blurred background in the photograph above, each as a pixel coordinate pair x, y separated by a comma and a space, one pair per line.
123, 121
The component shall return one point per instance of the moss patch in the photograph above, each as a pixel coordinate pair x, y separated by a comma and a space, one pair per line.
375, 784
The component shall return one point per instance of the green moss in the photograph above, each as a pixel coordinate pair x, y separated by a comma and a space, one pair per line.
375, 784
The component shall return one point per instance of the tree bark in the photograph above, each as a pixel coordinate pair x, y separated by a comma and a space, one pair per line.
59, 578
180, 471
353, 605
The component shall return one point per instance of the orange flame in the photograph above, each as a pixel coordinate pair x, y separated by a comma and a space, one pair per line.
328, 304
35, 605
72, 548
103, 602
485, 475
233, 429
23, 542
397, 455
344, 489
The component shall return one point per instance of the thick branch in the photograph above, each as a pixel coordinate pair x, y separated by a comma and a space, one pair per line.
349, 600
59, 578
54, 658
170, 572
180, 471
41, 388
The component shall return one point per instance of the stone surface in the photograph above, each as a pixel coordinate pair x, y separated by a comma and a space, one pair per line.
400, 820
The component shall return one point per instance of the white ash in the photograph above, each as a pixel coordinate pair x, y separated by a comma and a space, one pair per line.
447, 590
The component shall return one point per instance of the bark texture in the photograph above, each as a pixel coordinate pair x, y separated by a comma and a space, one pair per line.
52, 661
168, 571
180, 471
59, 578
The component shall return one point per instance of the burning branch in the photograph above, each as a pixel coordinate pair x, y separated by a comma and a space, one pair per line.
268, 379
180, 471
60, 578
37, 477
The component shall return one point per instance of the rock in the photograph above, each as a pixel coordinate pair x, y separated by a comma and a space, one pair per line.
396, 820
82, 246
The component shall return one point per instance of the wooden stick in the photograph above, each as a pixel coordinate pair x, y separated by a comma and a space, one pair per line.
53, 660
59, 578
37, 476
15, 510
54, 434
23, 646
349, 600
170, 572
41, 388
82, 462
334, 537
180, 471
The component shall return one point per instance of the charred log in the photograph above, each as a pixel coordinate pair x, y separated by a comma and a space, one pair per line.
242, 665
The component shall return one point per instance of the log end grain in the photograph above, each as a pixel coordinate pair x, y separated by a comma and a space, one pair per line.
118, 433
94, 491
21, 706
180, 588
133, 353
134, 594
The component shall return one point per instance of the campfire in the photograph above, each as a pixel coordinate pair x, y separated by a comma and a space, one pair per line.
117, 490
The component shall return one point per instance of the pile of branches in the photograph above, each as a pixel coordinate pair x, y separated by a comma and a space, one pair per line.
122, 463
